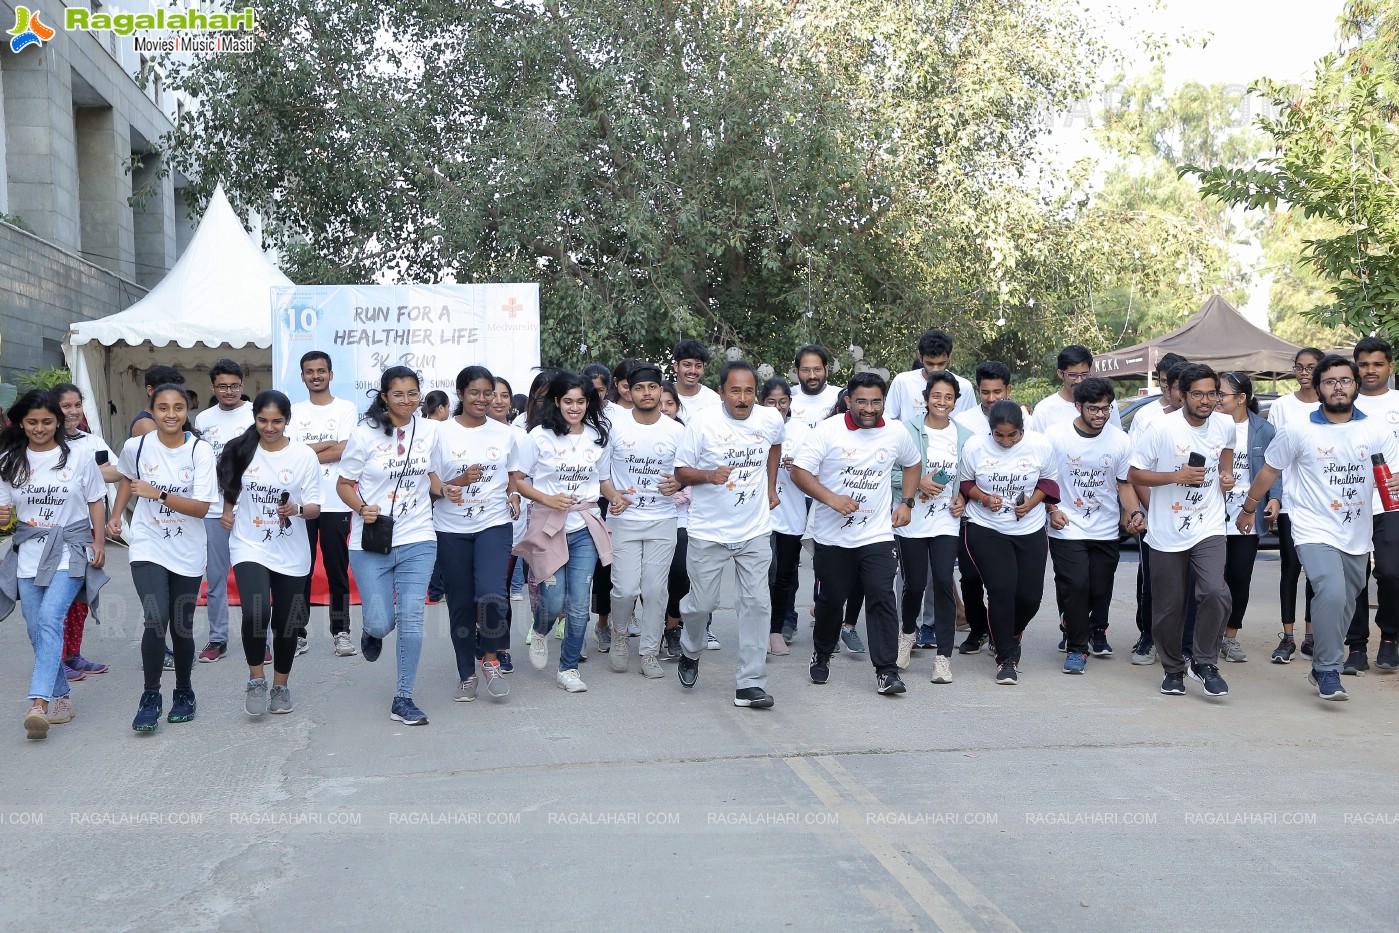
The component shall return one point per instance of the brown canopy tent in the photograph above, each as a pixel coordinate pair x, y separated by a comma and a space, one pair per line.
1216, 335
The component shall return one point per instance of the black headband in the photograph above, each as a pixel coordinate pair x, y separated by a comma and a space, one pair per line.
644, 374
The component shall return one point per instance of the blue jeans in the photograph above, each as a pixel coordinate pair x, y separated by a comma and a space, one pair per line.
517, 579
569, 589
44, 610
392, 588
475, 562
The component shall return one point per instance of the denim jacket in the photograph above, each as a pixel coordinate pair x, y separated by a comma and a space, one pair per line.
1261, 432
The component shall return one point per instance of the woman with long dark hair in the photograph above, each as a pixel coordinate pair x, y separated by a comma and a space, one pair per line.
59, 498
1254, 434
171, 472
502, 408
788, 521
562, 472
386, 470
436, 405
1009, 482
620, 394
270, 487
602, 574
472, 514
82, 444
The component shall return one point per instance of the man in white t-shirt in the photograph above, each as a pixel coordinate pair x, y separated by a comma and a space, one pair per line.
1165, 400
814, 397
1186, 459
1374, 358
844, 466
906, 400
219, 425
1329, 456
642, 466
1075, 364
728, 457
1091, 458
690, 357
324, 422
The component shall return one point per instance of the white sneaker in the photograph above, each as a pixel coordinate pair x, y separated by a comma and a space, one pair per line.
570, 681
344, 648
617, 657
302, 646
942, 670
539, 652
710, 642
651, 667
634, 630
905, 657
517, 597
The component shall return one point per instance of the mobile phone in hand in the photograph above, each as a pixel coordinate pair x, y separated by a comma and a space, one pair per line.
941, 477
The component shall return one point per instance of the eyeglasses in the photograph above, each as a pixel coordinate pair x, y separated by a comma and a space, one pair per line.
1199, 396
400, 442
1344, 382
1077, 376
1097, 409
228, 386
404, 396
1305, 370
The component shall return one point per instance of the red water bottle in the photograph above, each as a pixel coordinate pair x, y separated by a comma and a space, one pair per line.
1382, 476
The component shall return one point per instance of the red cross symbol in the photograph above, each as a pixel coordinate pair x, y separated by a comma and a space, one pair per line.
511, 307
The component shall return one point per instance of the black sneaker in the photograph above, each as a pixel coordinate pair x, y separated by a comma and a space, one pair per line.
753, 697
1007, 675
506, 665
1356, 662
1387, 658
820, 667
1286, 648
670, 645
890, 684
181, 705
1100, 647
972, 645
1208, 675
688, 671
148, 712
1307, 647
1173, 685
370, 647
1063, 638
789, 631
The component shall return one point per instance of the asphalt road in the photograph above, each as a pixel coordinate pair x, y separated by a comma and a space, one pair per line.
1065, 803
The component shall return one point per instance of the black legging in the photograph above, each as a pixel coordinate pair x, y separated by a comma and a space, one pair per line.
1240, 551
679, 581
782, 576
1291, 570
167, 605
268, 597
915, 555
1013, 568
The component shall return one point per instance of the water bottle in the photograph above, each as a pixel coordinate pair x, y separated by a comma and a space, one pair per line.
1382, 476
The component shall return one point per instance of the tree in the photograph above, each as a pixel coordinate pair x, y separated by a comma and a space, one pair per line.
1333, 157
759, 174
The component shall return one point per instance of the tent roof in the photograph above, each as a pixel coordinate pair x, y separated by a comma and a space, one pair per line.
1217, 335
217, 293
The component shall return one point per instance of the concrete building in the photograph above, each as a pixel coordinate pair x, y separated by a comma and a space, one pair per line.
88, 222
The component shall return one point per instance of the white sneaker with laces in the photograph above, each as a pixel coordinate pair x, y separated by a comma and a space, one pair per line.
942, 670
905, 657
570, 681
344, 648
539, 652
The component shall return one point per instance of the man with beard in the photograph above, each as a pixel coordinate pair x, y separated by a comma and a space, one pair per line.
1329, 457
844, 466
1185, 528
813, 403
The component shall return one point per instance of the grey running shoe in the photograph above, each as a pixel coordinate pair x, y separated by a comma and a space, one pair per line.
1231, 650
279, 699
497, 685
466, 690
604, 638
651, 667
255, 700
618, 656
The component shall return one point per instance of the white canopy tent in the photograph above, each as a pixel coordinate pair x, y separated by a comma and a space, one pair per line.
215, 303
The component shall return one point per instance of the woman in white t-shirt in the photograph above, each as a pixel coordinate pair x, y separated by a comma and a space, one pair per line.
58, 496
1010, 485
171, 473
678, 582
387, 467
473, 515
270, 488
788, 521
500, 407
70, 399
561, 471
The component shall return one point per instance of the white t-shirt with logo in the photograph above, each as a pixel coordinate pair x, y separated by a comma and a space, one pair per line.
316, 424
975, 421
258, 535
811, 410
1234, 498
735, 511
372, 459
906, 403
1055, 410
571, 465
1145, 416
1180, 517
789, 518
53, 497
1384, 409
1284, 410
692, 405
1332, 478
640, 454
157, 533
218, 427
1007, 472
483, 503
87, 445
855, 464
932, 515
1089, 469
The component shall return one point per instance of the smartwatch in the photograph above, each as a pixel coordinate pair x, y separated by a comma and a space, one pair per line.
164, 494
908, 501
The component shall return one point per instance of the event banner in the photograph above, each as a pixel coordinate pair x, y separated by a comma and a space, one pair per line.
435, 330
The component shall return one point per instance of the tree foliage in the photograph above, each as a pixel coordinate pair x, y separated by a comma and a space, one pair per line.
1333, 157
757, 173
